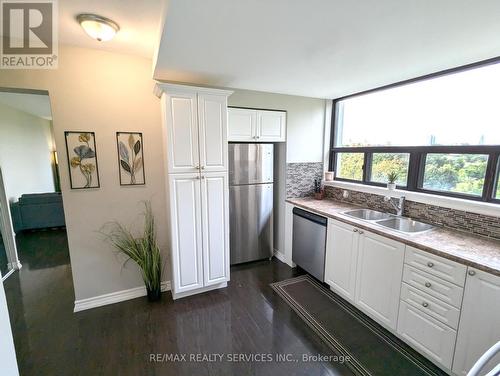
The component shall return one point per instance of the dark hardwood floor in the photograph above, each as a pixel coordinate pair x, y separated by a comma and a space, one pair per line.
246, 318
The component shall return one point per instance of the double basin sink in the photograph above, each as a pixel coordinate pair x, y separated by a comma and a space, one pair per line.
402, 224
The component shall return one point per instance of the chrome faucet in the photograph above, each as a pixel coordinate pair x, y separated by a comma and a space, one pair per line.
399, 207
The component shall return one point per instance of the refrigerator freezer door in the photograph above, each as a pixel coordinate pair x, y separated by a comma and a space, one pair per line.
251, 219
250, 163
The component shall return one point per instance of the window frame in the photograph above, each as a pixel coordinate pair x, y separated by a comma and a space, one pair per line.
418, 153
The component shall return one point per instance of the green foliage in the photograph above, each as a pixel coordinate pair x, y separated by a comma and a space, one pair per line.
392, 176
351, 166
461, 173
144, 250
384, 164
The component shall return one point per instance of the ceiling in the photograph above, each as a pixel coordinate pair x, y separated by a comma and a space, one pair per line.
139, 22
34, 104
321, 48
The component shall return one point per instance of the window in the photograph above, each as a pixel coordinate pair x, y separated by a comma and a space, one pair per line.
461, 173
350, 166
384, 163
440, 134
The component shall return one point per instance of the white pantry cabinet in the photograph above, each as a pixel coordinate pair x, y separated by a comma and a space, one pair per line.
196, 147
479, 327
341, 258
378, 277
248, 125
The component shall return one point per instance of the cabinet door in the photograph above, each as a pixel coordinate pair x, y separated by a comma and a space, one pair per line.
185, 218
341, 258
378, 277
426, 334
215, 215
242, 124
271, 126
180, 110
212, 119
479, 327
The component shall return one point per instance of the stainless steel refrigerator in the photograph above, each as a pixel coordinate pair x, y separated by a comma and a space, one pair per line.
251, 201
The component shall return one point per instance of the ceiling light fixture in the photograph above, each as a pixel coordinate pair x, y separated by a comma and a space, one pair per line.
98, 27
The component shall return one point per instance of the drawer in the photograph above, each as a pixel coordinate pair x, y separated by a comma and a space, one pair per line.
427, 335
448, 270
435, 308
443, 290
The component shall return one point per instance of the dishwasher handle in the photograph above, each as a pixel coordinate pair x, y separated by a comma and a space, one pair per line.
310, 216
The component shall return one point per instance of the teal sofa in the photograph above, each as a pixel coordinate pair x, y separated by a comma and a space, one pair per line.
36, 211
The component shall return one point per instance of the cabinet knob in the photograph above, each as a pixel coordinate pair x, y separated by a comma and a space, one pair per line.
361, 232
428, 284
198, 178
257, 137
425, 304
197, 166
355, 230
202, 167
430, 264
472, 272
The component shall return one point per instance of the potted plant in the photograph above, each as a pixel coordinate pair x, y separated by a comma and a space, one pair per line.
391, 180
142, 250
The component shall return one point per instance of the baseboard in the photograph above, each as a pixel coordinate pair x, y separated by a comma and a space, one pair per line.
115, 297
280, 256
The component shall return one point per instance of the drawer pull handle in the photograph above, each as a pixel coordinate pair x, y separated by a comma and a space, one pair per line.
428, 284
472, 272
425, 304
430, 264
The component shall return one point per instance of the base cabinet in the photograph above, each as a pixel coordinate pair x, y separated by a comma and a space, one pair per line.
426, 334
378, 277
479, 327
341, 258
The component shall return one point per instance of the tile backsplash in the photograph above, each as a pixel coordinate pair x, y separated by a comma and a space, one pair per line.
456, 219
300, 178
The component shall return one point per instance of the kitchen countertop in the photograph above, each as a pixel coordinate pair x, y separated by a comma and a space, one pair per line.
471, 250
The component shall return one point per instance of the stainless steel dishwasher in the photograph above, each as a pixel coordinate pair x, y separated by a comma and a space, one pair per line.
309, 242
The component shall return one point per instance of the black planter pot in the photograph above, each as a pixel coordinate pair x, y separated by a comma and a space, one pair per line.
154, 295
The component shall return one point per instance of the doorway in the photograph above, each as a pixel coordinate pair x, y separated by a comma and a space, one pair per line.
31, 205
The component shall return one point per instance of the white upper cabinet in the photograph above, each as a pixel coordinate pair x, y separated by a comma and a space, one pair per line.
180, 110
212, 117
248, 125
242, 124
271, 126
341, 258
378, 277
479, 327
195, 128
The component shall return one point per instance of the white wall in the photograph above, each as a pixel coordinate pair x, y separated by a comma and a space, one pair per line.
8, 361
305, 121
103, 92
25, 153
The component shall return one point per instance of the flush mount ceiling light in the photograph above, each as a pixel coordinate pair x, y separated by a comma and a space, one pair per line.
98, 27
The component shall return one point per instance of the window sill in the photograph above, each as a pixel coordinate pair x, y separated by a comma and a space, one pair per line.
484, 208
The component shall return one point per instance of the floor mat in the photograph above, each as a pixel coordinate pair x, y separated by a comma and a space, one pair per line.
371, 349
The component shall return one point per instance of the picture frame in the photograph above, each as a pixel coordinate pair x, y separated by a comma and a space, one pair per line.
130, 150
82, 159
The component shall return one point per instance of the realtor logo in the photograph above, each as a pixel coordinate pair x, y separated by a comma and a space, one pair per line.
29, 34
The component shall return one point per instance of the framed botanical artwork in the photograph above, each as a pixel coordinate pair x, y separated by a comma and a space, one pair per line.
82, 160
130, 158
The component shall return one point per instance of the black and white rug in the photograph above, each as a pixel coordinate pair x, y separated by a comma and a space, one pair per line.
369, 348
